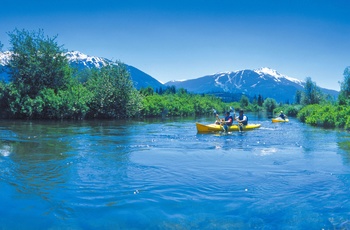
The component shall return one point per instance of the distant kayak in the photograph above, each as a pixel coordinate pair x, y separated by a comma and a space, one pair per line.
278, 119
215, 128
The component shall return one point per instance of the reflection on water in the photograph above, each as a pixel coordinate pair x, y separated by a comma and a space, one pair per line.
162, 174
343, 141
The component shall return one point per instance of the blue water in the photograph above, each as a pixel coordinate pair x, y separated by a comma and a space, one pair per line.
162, 174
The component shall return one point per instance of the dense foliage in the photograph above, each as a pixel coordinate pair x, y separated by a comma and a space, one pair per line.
113, 93
179, 103
289, 110
44, 86
326, 114
344, 95
312, 94
270, 104
37, 63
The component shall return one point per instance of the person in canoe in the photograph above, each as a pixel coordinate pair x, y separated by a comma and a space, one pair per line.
241, 118
282, 115
228, 121
225, 122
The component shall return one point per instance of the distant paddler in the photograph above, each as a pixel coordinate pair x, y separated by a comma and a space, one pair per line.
281, 118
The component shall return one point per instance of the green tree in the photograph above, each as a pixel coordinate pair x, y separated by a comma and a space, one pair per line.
298, 94
270, 104
114, 95
344, 95
147, 91
170, 90
260, 100
312, 93
3, 99
182, 91
244, 102
37, 62
180, 104
1, 45
255, 100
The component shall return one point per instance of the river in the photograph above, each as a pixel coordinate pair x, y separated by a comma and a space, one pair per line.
162, 174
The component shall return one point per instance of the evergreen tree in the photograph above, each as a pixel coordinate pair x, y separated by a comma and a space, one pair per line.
255, 100
344, 94
146, 91
312, 93
1, 45
260, 100
170, 90
298, 94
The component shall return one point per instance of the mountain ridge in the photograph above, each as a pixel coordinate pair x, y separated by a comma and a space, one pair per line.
81, 61
263, 81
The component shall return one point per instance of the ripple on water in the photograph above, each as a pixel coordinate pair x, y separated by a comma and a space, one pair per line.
165, 175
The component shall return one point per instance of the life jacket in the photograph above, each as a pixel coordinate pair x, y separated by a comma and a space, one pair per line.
228, 118
241, 118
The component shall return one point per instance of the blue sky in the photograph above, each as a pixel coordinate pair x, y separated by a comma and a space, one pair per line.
176, 40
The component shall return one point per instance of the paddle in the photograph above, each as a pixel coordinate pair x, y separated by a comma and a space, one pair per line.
240, 126
216, 115
218, 121
234, 112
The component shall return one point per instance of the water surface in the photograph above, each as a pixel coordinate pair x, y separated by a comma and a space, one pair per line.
162, 174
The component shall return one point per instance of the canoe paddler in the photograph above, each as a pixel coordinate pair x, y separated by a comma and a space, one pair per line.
282, 116
225, 122
241, 118
228, 121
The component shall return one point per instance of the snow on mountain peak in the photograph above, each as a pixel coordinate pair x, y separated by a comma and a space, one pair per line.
276, 75
72, 56
5, 57
76, 56
272, 72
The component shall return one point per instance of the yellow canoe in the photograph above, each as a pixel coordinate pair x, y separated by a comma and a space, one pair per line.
278, 119
215, 128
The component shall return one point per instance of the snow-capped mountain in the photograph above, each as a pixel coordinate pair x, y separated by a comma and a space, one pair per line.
264, 81
276, 75
86, 61
81, 61
5, 57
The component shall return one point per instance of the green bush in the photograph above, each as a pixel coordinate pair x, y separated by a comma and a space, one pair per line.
114, 95
319, 115
270, 104
289, 110
180, 104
